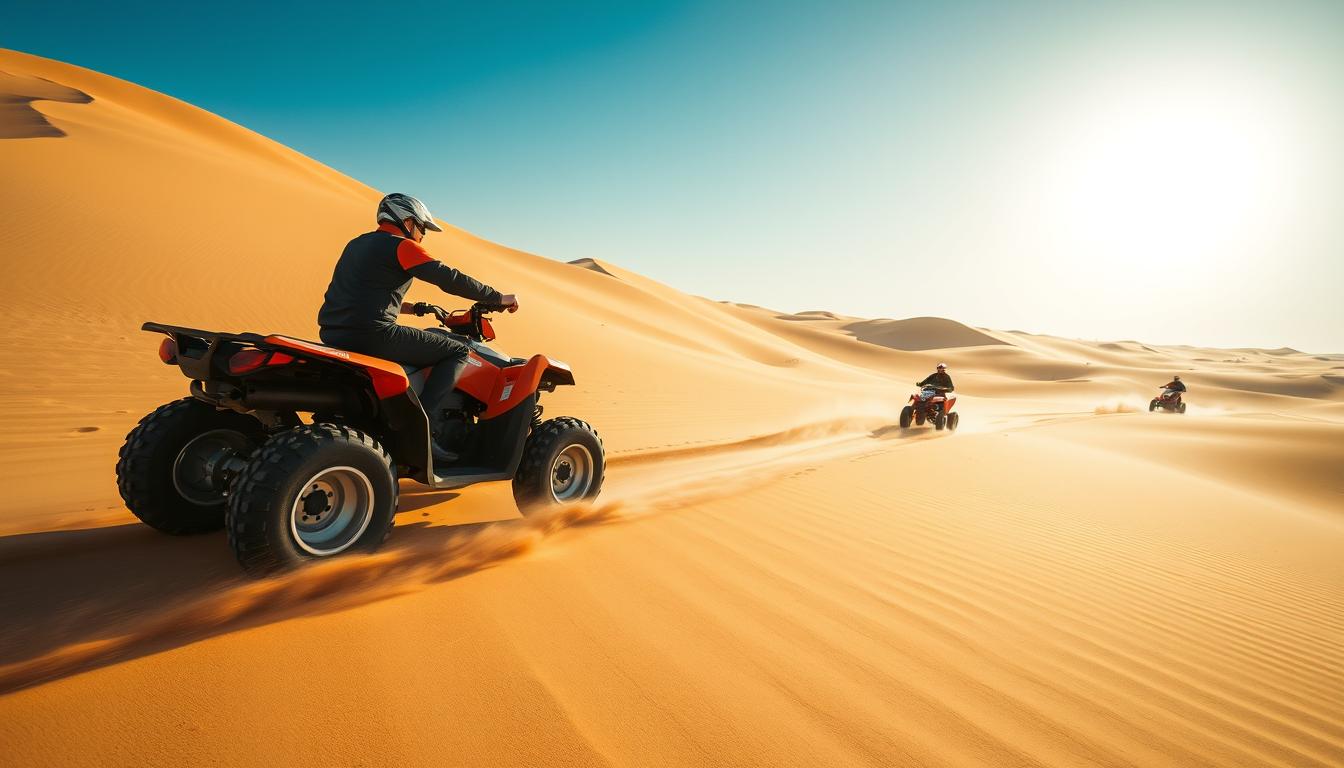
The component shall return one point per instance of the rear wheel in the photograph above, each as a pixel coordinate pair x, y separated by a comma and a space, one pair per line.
1180, 408
939, 420
952, 420
907, 415
563, 463
309, 493
173, 470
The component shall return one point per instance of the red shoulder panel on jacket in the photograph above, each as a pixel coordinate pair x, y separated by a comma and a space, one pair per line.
412, 254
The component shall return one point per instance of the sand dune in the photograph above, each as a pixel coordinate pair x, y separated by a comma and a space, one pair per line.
18, 119
776, 574
592, 264
911, 334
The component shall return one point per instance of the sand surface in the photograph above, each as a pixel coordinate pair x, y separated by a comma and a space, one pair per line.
776, 573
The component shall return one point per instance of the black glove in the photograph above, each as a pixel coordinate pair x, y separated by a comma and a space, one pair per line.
421, 308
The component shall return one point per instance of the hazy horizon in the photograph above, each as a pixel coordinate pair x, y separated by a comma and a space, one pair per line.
1167, 174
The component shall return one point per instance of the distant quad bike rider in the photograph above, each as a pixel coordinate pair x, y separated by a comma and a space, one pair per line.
1172, 397
933, 403
939, 379
360, 309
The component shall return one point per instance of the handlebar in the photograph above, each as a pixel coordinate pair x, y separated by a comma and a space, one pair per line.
422, 308
455, 318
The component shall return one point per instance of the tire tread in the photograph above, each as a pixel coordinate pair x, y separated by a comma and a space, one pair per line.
257, 487
136, 479
527, 480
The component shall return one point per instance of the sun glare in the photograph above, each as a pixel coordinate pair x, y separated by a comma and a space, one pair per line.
1173, 173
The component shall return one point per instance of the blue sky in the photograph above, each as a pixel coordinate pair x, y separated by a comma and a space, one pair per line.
880, 159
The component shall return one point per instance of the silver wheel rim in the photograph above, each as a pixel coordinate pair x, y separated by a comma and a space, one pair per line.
194, 469
571, 474
332, 511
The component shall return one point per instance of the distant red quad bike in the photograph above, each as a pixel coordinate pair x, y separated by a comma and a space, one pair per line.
1170, 400
296, 448
931, 404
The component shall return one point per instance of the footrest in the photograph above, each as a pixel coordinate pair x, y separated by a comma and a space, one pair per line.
459, 477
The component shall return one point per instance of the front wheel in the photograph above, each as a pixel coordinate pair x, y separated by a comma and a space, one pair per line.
907, 416
310, 493
563, 463
171, 472
1152, 406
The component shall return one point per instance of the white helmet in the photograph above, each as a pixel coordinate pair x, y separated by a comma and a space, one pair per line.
942, 366
397, 207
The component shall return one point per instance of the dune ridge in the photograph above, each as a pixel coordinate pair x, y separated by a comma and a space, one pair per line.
19, 119
776, 574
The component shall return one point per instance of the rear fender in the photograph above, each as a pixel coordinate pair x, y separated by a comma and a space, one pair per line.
406, 433
518, 382
947, 407
388, 378
407, 426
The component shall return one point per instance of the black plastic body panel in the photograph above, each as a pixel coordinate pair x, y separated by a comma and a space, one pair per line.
497, 449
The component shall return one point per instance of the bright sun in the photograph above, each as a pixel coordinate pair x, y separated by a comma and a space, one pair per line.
1162, 171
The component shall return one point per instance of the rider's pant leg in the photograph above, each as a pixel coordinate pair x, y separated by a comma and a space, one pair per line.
410, 346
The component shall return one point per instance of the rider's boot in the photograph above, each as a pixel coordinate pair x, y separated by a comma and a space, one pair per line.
437, 390
441, 455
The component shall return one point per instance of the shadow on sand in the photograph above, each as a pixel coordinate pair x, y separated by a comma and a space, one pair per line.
83, 599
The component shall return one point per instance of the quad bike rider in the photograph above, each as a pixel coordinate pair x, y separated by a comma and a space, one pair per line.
296, 447
1171, 398
933, 402
360, 309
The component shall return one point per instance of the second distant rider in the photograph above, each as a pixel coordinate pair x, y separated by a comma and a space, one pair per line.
939, 379
359, 312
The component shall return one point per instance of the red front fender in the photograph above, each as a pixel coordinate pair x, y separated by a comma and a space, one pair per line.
517, 382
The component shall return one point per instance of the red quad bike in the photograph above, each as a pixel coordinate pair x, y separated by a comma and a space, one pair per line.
1169, 400
237, 455
931, 404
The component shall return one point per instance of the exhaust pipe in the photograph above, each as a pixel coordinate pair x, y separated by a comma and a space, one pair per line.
289, 398
271, 398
